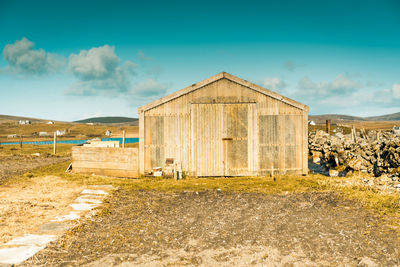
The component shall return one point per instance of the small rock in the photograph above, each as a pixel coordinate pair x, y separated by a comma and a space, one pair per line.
367, 262
316, 156
355, 164
316, 159
333, 173
384, 178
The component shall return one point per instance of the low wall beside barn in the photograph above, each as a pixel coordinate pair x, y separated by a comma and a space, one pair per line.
108, 161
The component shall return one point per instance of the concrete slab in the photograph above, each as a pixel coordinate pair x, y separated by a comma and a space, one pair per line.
94, 192
32, 240
24, 248
88, 200
54, 227
93, 196
17, 255
69, 217
83, 206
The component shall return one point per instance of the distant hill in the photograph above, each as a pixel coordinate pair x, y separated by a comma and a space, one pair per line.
9, 118
334, 117
388, 117
109, 120
340, 117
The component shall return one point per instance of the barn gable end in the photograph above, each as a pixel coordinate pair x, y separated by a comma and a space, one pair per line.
224, 126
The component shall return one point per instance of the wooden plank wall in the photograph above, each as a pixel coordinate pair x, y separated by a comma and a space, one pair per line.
223, 139
206, 136
175, 129
280, 143
108, 161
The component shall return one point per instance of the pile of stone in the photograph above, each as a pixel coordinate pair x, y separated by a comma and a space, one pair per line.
374, 153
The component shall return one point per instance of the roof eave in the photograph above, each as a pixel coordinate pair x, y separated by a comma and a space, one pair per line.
217, 77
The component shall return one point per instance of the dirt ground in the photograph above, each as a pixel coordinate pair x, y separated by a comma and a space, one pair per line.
218, 228
16, 165
27, 204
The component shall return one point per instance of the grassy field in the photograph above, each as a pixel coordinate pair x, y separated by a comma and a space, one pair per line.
345, 127
367, 125
73, 130
63, 150
163, 215
376, 125
280, 184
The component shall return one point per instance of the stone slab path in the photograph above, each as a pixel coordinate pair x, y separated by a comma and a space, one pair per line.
22, 248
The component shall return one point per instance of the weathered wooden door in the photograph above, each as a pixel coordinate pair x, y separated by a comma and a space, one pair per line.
223, 139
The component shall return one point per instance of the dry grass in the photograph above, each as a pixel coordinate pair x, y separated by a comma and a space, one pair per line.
280, 184
376, 125
352, 188
367, 125
32, 199
44, 150
74, 130
63, 150
319, 127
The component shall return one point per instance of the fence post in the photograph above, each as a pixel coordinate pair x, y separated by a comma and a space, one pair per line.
354, 134
55, 143
328, 127
123, 139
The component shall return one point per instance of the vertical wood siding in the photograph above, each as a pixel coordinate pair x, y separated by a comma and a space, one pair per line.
222, 139
275, 133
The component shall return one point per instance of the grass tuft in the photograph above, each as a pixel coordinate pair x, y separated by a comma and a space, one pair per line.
368, 197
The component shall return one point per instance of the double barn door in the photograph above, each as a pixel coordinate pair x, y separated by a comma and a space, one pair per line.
223, 139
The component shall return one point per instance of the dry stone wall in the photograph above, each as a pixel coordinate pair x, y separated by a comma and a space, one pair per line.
373, 153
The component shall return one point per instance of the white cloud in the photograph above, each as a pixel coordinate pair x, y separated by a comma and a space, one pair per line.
336, 96
98, 62
396, 91
275, 84
150, 88
130, 67
388, 97
339, 86
99, 72
22, 58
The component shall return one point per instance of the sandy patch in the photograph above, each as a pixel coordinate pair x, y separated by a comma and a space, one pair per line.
24, 206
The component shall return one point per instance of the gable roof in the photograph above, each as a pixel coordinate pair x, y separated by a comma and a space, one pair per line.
219, 76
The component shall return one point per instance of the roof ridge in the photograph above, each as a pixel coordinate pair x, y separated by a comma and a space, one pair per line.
215, 78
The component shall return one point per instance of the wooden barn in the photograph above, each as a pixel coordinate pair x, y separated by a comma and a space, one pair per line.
224, 126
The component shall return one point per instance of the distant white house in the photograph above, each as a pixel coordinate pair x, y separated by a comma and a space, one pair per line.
311, 122
59, 133
21, 122
50, 122
42, 134
396, 130
12, 136
108, 133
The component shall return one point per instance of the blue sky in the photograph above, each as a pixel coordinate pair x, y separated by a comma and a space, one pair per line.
68, 60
